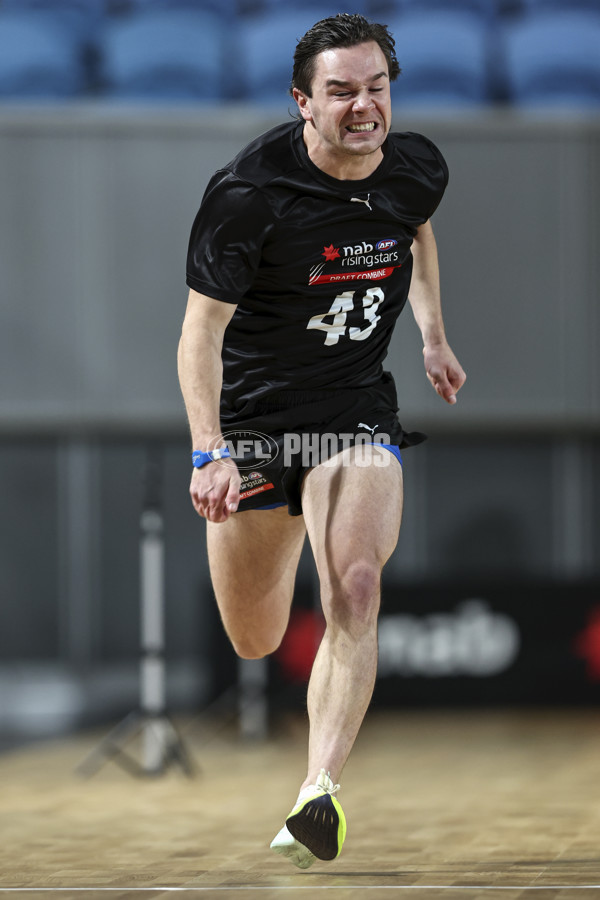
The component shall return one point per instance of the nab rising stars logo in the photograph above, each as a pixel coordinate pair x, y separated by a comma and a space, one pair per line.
356, 262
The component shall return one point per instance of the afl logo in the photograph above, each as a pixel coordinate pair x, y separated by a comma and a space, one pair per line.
386, 244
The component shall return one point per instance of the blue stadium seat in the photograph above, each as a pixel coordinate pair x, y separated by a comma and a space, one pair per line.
444, 61
539, 6
321, 9
226, 9
485, 10
80, 17
266, 47
38, 58
164, 55
553, 60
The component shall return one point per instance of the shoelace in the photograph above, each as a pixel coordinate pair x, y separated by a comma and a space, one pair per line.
323, 777
326, 776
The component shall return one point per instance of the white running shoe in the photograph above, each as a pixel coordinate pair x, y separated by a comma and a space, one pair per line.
316, 826
287, 845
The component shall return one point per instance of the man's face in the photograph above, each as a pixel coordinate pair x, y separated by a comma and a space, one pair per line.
349, 112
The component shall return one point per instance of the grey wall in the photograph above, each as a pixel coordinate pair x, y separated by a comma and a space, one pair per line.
96, 205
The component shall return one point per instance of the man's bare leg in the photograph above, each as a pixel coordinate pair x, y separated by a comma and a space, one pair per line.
352, 509
352, 515
253, 558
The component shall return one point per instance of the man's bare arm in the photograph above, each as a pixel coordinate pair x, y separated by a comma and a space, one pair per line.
215, 487
443, 369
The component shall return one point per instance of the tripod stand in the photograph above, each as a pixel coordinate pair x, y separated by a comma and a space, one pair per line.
161, 744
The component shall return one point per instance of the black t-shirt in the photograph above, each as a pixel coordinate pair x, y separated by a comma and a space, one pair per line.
320, 268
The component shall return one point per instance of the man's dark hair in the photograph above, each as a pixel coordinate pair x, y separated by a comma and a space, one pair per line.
342, 30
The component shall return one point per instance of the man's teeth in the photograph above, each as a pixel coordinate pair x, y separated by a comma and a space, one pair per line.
367, 126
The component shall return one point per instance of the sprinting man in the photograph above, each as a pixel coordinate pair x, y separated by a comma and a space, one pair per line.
302, 256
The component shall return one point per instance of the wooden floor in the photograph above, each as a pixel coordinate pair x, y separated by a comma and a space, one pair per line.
469, 805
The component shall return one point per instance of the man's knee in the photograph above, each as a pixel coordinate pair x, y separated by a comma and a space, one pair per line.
249, 646
355, 594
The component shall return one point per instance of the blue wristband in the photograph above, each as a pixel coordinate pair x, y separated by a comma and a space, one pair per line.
201, 458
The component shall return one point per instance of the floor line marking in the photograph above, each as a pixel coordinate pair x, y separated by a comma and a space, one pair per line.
325, 887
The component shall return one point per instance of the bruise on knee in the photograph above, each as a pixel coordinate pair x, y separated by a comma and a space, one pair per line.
353, 599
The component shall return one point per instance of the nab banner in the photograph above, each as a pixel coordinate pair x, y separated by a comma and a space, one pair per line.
461, 643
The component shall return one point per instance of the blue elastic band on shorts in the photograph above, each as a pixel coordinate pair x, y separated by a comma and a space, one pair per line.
393, 448
272, 505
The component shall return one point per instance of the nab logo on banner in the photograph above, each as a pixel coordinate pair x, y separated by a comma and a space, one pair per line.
472, 641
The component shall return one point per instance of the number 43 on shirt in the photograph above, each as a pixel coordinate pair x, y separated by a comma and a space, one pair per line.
340, 307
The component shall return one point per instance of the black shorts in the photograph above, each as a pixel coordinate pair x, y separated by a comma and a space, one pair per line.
288, 433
